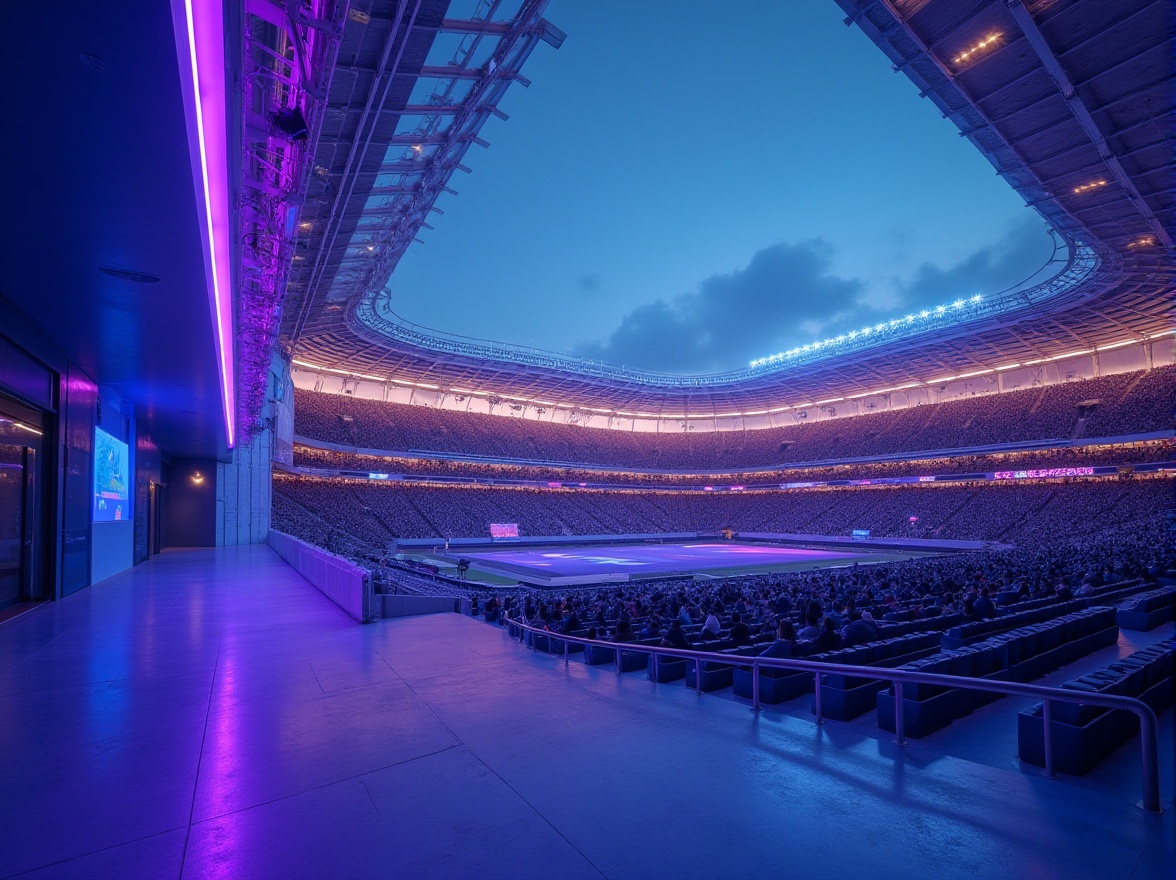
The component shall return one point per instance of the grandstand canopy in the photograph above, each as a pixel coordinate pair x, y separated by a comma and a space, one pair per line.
1069, 100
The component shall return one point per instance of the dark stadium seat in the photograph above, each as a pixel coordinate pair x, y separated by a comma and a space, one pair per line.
1082, 735
1149, 610
1019, 655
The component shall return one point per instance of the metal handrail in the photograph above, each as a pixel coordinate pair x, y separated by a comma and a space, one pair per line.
1148, 723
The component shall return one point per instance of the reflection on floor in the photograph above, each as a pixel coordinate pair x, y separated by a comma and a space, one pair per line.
209, 714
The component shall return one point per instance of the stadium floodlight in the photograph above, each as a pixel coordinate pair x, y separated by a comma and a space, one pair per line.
892, 328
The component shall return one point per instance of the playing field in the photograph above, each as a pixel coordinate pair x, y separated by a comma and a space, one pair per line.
564, 565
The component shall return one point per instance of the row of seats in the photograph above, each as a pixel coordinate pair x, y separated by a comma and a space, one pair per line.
778, 685
1105, 592
1036, 610
844, 697
1149, 610
1082, 734
966, 633
1022, 654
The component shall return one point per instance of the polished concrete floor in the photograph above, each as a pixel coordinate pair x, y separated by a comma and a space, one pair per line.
209, 714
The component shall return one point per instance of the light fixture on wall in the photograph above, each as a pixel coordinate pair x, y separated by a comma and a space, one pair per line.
197, 478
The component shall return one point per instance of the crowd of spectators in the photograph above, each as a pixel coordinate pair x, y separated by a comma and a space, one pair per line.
1071, 538
1117, 405
823, 610
1069, 535
1076, 456
377, 513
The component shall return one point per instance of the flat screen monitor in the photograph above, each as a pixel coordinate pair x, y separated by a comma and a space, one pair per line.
112, 494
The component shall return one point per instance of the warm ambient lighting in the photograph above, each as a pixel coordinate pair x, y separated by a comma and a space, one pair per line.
197, 478
983, 45
21, 426
1146, 241
204, 32
386, 380
1087, 187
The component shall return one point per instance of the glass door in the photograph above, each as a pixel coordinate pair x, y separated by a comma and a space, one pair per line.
12, 515
21, 538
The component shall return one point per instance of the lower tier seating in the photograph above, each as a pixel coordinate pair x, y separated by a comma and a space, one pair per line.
1082, 735
1022, 654
1149, 610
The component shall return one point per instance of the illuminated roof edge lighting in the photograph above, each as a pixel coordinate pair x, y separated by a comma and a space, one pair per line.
387, 380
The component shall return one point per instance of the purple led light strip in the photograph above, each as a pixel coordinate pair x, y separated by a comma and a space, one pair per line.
205, 30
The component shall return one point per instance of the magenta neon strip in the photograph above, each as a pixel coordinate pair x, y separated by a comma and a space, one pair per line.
1044, 473
206, 48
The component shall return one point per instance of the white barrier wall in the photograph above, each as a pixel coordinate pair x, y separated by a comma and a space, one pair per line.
345, 584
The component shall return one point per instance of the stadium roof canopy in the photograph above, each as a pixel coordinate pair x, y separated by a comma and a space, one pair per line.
1069, 100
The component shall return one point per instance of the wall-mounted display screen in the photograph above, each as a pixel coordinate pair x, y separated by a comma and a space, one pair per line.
112, 494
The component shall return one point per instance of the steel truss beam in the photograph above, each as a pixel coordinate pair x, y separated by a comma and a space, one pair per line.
1037, 41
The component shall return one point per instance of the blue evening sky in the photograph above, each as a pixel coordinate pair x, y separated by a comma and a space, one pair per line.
686, 186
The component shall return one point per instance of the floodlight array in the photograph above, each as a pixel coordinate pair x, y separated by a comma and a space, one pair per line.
373, 319
913, 322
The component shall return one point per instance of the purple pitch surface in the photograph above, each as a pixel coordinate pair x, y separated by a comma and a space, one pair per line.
652, 559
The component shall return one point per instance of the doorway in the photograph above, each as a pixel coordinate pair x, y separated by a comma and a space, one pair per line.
154, 517
21, 504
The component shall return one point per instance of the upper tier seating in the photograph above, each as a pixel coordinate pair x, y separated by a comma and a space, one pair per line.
1129, 403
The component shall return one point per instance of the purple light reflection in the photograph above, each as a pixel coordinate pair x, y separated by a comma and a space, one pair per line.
662, 558
204, 34
221, 767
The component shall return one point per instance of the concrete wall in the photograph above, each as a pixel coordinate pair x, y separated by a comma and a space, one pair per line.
243, 497
243, 494
410, 606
